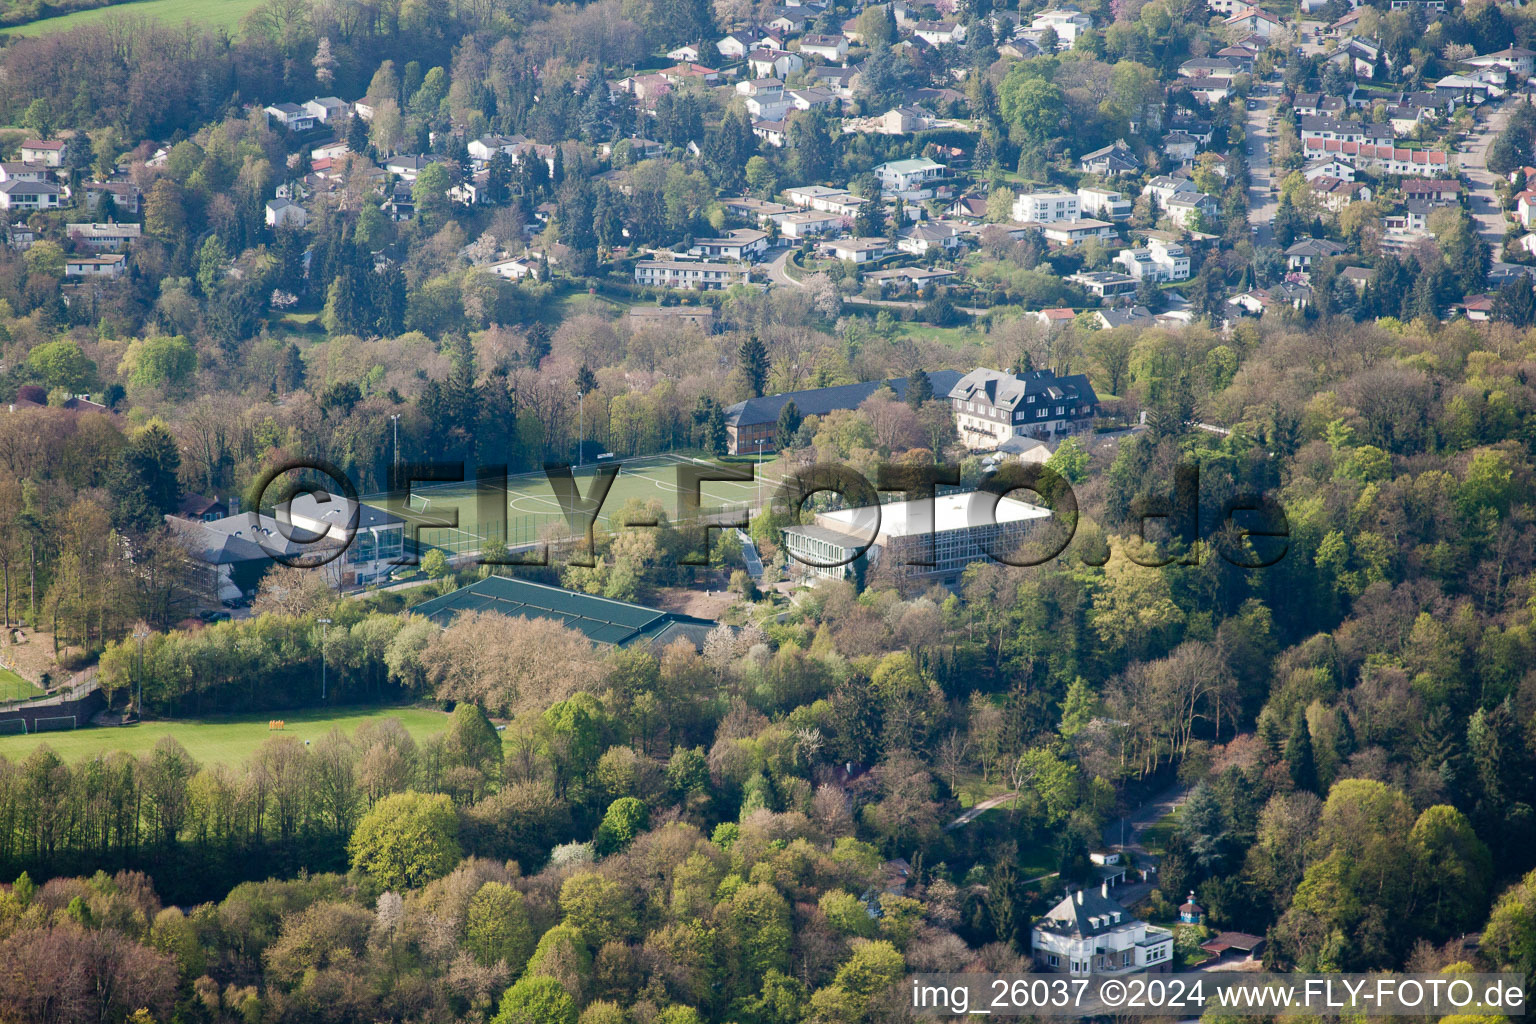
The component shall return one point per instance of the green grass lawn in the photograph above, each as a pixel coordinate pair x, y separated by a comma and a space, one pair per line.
13, 687
1155, 838
227, 740
532, 505
226, 14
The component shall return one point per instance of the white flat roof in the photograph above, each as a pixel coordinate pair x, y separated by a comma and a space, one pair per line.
952, 512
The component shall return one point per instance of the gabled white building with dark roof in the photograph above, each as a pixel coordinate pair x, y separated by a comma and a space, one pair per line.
1089, 933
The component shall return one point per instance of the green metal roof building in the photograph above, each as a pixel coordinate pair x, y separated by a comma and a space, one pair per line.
604, 621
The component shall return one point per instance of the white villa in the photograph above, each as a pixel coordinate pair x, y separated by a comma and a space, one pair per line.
1089, 933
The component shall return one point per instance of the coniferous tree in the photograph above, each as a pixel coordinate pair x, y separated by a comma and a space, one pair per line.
1299, 758
789, 423
753, 357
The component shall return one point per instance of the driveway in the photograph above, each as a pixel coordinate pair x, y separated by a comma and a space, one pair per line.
1482, 200
1148, 814
778, 276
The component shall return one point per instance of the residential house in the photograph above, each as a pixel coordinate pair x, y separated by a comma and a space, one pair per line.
29, 195
1046, 207
1525, 208
1158, 261
1318, 104
775, 133
838, 81
1179, 145
688, 71
693, 274
910, 279
333, 150
810, 99
828, 48
740, 244
290, 116
928, 236
1514, 60
1301, 253
808, 196
1192, 210
285, 213
856, 250
1067, 21
788, 20
1219, 68
518, 268
327, 109
1255, 21
1104, 203
1328, 129
1329, 167
990, 406
47, 152
110, 266
126, 196
1105, 284
913, 178
110, 236
1114, 159
1076, 232
937, 33
1164, 187
1436, 190
774, 63
735, 46
1336, 193
24, 172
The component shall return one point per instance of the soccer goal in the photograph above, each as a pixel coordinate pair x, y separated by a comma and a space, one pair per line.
54, 723
13, 727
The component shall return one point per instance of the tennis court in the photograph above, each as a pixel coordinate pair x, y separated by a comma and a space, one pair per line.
532, 509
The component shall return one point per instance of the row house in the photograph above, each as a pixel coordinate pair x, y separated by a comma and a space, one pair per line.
1439, 190
1328, 129
1318, 104
1382, 159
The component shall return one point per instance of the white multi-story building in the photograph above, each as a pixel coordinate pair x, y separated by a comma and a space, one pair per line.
963, 528
1158, 261
910, 177
698, 275
1089, 933
1046, 207
1106, 203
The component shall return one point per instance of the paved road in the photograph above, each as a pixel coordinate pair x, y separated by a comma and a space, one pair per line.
1261, 204
1143, 817
980, 809
777, 274
1482, 199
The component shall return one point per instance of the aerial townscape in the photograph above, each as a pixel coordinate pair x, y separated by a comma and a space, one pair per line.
666, 512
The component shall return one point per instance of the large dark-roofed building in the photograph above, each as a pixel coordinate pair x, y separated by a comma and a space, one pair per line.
602, 620
752, 426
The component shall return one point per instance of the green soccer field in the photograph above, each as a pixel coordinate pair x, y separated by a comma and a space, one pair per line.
532, 505
225, 14
228, 740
